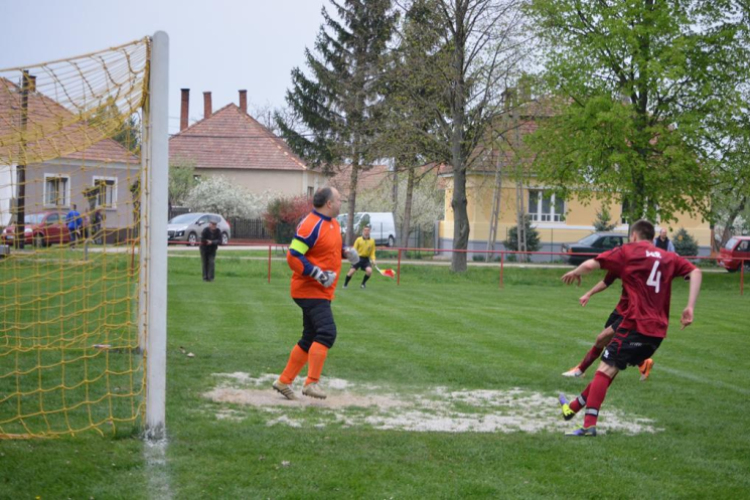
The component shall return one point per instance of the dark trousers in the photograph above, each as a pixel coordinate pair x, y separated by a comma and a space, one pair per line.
207, 261
317, 323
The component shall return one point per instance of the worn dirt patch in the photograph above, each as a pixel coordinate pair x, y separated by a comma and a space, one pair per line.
435, 409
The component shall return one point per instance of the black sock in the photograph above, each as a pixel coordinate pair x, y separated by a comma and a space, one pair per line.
367, 277
348, 278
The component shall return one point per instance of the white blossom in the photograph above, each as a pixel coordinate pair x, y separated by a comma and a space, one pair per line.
217, 194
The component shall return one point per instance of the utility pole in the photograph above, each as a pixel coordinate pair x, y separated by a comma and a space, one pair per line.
21, 170
495, 214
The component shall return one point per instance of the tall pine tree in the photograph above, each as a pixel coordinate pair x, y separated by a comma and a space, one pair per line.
338, 102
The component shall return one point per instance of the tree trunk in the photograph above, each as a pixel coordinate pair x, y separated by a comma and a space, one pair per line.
352, 203
458, 112
460, 220
394, 189
407, 209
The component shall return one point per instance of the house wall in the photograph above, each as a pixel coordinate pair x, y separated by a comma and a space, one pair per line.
7, 192
579, 217
81, 175
285, 182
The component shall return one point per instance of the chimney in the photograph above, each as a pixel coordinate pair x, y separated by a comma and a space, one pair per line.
185, 109
207, 105
32, 83
243, 101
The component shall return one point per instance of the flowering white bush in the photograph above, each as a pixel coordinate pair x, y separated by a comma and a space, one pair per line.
219, 195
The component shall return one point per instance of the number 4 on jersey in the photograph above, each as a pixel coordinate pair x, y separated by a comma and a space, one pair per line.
655, 277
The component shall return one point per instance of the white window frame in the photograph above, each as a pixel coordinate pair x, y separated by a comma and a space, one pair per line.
539, 216
94, 180
66, 189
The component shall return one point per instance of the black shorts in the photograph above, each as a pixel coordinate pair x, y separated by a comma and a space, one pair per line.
629, 347
614, 320
317, 323
363, 264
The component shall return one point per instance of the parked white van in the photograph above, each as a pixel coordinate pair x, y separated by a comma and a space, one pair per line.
383, 227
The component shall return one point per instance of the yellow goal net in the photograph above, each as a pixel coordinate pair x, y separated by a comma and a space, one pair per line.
74, 160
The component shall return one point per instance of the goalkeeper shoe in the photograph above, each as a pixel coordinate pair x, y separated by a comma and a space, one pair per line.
284, 389
583, 432
645, 368
313, 390
573, 372
567, 413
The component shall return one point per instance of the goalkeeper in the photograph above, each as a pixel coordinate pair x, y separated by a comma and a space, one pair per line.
315, 258
365, 247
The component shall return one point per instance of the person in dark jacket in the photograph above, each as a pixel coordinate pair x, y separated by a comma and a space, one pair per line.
210, 239
663, 242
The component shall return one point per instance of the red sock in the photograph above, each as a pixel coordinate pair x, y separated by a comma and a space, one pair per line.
596, 396
580, 401
589, 358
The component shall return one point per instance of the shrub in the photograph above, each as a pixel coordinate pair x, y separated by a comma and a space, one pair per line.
532, 238
684, 243
603, 222
283, 215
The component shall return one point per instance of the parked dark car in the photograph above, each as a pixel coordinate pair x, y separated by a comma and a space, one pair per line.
592, 244
737, 248
40, 229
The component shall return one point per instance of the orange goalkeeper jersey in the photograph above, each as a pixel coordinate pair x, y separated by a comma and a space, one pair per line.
317, 242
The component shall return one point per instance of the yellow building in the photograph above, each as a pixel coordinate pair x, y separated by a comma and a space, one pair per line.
557, 221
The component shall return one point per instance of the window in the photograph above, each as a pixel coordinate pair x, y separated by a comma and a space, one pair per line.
56, 190
310, 192
609, 242
53, 219
546, 207
107, 192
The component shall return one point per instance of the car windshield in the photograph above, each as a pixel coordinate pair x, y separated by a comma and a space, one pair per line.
184, 219
731, 243
589, 240
33, 219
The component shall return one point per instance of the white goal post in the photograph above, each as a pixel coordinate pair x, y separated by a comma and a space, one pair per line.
154, 256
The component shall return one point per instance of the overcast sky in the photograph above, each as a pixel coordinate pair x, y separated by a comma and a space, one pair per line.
218, 45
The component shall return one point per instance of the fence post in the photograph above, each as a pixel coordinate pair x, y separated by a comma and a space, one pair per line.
398, 269
269, 264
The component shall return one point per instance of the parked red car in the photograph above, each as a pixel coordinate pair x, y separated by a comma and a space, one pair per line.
40, 230
738, 247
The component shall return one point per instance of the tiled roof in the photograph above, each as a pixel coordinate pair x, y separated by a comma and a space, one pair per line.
53, 131
232, 139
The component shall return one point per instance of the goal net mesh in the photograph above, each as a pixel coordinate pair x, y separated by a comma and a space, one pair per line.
71, 212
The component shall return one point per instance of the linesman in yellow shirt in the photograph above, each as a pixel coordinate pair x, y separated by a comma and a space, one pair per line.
365, 247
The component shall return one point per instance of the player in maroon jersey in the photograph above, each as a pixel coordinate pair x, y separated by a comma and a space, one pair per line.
606, 335
646, 273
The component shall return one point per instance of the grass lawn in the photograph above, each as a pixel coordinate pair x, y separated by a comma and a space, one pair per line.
437, 334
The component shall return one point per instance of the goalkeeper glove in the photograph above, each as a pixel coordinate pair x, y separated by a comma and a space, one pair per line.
352, 255
325, 278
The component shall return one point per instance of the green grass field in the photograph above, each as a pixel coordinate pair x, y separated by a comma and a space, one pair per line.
437, 340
